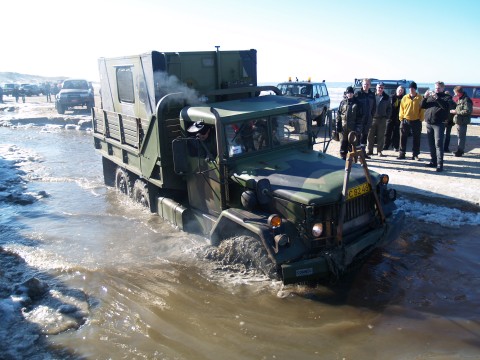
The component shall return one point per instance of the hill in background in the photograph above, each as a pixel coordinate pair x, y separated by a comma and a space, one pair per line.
16, 78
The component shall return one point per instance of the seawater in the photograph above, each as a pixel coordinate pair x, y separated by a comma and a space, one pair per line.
124, 284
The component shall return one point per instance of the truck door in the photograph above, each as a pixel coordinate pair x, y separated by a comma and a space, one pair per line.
203, 179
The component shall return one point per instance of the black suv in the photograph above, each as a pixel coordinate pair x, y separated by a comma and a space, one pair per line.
315, 93
74, 92
390, 86
30, 89
8, 89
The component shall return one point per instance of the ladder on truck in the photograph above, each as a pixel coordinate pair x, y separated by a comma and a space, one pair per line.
356, 153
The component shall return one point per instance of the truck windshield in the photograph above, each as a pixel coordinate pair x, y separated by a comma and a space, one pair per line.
75, 84
263, 133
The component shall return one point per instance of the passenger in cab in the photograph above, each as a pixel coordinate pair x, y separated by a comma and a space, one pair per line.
207, 146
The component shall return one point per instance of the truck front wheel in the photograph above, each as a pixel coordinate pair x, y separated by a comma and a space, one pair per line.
60, 109
243, 250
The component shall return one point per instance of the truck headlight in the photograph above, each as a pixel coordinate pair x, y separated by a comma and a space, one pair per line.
317, 230
274, 221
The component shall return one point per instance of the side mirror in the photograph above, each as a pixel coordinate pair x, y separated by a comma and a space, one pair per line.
180, 156
264, 191
317, 95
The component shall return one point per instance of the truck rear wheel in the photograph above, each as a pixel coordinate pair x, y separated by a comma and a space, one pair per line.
123, 182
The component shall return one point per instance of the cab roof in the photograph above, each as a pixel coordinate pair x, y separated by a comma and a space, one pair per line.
250, 108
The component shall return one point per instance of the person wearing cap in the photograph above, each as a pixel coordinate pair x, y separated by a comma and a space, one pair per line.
462, 117
383, 110
349, 118
411, 116
437, 107
206, 134
392, 131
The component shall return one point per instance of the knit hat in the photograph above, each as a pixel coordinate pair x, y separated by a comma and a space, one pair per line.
349, 90
413, 84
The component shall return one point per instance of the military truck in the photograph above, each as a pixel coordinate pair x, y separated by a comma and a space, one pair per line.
253, 176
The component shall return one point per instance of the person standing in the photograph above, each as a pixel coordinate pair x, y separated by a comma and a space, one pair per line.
48, 92
448, 130
383, 111
392, 131
411, 116
15, 93
437, 107
462, 117
349, 118
366, 98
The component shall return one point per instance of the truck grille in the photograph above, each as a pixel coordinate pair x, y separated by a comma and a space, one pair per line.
359, 206
358, 214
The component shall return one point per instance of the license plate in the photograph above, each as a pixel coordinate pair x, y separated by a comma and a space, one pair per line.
358, 190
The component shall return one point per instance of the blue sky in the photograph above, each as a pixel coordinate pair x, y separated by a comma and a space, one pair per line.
332, 40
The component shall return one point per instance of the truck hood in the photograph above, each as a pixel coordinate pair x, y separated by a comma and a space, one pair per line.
304, 176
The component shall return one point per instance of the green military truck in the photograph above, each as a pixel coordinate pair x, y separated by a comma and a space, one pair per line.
250, 171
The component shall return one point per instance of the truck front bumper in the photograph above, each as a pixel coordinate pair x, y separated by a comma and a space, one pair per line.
332, 263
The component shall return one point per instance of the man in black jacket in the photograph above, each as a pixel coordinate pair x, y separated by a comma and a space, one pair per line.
437, 107
349, 118
392, 132
366, 98
382, 113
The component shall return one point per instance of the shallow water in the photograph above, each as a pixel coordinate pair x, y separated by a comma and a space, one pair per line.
143, 290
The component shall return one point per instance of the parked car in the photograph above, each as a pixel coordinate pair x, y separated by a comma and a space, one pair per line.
74, 92
315, 93
473, 91
30, 89
390, 86
8, 89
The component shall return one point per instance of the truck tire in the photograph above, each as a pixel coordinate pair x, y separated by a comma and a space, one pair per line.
144, 194
60, 109
123, 183
244, 250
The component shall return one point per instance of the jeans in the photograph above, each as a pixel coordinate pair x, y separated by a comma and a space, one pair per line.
377, 130
448, 130
392, 134
435, 133
462, 137
405, 127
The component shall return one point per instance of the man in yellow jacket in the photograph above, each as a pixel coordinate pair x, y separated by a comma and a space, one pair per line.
411, 116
